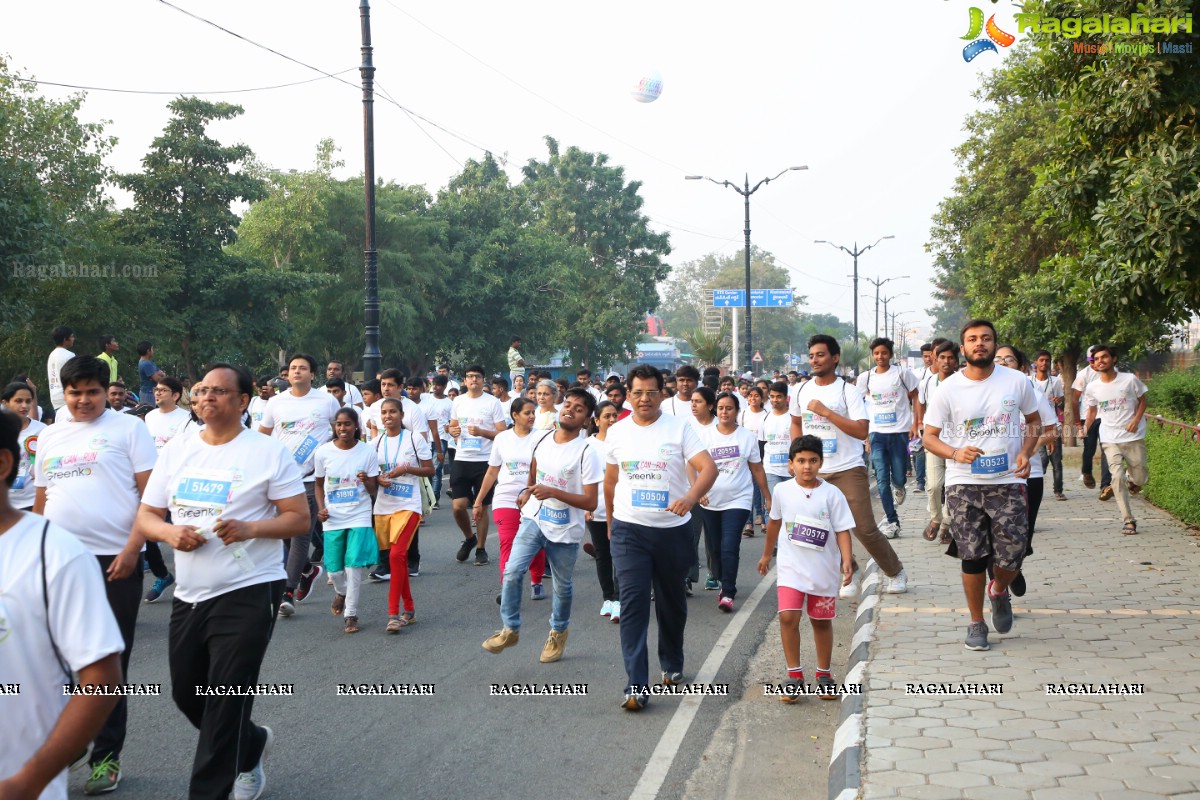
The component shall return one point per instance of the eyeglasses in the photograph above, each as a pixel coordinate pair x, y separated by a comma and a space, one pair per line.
1005, 359
471, 375
161, 389
215, 391
639, 394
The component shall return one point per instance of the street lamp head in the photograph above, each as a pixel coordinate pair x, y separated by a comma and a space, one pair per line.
820, 241
796, 169
888, 237
693, 177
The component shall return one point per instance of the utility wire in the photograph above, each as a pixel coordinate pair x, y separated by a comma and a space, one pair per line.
155, 91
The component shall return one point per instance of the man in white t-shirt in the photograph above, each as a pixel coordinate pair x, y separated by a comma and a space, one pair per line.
54, 620
232, 494
302, 419
1051, 387
649, 502
64, 340
444, 371
946, 360
928, 369
974, 421
833, 410
563, 484
436, 407
1091, 438
687, 378
890, 390
1119, 400
776, 436
164, 422
475, 419
90, 473
337, 369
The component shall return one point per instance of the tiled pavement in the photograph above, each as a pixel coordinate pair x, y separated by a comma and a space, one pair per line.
1102, 608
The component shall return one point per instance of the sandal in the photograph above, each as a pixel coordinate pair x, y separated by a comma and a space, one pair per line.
394, 625
351, 624
931, 531
339, 604
1129, 529
407, 618
944, 536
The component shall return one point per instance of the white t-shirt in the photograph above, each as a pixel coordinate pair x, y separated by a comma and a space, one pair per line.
601, 448
255, 410
777, 433
437, 409
1051, 387
200, 483
510, 453
164, 427
1116, 402
483, 412
1085, 377
677, 407
346, 498
81, 623
987, 414
405, 492
569, 467
353, 395
842, 451
302, 423
87, 469
652, 469
888, 407
413, 419
751, 420
1049, 419
22, 493
54, 364
809, 559
733, 453
793, 390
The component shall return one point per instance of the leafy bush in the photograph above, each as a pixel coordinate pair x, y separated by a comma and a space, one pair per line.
1174, 464
1175, 395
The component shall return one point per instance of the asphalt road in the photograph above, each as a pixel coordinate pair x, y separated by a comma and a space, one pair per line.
460, 742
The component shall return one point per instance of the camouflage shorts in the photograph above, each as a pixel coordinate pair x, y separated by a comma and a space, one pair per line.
989, 521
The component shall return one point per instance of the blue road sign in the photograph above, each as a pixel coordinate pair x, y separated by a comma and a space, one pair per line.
759, 298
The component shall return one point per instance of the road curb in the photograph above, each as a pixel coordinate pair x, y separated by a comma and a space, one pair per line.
845, 761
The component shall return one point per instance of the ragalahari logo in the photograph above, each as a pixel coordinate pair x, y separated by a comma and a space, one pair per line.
978, 44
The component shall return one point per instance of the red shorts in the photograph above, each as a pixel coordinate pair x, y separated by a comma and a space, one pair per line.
818, 607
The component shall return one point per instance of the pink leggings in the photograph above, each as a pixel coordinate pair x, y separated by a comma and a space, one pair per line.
508, 520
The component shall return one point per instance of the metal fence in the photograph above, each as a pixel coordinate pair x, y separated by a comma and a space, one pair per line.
1192, 432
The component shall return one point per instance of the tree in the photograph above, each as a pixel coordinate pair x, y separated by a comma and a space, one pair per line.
224, 307
710, 349
579, 196
684, 298
775, 329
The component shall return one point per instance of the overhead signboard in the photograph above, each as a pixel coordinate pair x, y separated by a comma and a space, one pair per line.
759, 298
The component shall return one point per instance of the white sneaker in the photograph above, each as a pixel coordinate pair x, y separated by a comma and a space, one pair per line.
890, 530
615, 616
898, 495
897, 584
850, 590
250, 785
606, 608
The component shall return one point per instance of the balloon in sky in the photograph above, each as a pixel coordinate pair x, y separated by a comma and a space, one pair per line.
649, 87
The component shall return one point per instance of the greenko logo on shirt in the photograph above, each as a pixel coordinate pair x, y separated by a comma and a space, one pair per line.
76, 465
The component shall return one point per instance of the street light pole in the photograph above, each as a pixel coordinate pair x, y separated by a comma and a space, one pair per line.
877, 283
746, 192
855, 253
887, 300
371, 356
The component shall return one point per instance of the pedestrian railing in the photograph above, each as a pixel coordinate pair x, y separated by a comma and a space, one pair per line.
1192, 432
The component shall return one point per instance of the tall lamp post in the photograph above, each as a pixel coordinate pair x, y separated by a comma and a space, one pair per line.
745, 192
887, 300
855, 253
877, 283
371, 357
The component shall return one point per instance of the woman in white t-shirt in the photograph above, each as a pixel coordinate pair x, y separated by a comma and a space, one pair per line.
546, 395
403, 460
704, 416
726, 507
508, 471
346, 471
751, 417
598, 548
18, 398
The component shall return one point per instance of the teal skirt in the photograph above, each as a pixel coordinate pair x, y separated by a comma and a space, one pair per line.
350, 547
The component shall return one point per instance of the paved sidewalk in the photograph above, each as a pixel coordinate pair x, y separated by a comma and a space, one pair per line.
1101, 609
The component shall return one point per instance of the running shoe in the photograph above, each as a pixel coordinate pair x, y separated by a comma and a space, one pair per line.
481, 557
105, 777
890, 530
827, 687
615, 616
380, 575
158, 588
898, 495
850, 590
287, 606
464, 549
1002, 613
791, 691
250, 785
606, 608
307, 579
977, 636
672, 678
725, 604
414, 569
635, 701
711, 584
897, 584
536, 592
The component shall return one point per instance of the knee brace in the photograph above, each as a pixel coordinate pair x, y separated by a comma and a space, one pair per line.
975, 566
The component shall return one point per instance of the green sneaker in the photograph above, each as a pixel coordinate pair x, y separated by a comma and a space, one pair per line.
105, 777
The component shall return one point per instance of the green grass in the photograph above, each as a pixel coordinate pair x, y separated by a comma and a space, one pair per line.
1174, 465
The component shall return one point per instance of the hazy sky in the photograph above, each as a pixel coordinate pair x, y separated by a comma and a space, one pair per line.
870, 96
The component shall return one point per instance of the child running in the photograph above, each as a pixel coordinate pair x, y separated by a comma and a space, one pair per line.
346, 471
808, 562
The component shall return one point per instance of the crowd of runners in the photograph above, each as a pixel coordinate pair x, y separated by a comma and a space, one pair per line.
264, 487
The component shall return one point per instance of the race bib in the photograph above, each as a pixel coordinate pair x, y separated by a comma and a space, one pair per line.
470, 443
558, 517
205, 488
655, 499
829, 446
725, 453
990, 465
347, 495
885, 418
401, 490
306, 448
19, 483
777, 459
809, 533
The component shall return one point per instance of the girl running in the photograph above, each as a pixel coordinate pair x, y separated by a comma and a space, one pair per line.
597, 521
18, 398
403, 460
346, 470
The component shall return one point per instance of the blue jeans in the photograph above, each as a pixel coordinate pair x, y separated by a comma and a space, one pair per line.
775, 480
645, 557
723, 537
919, 468
560, 557
436, 480
889, 456
758, 509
